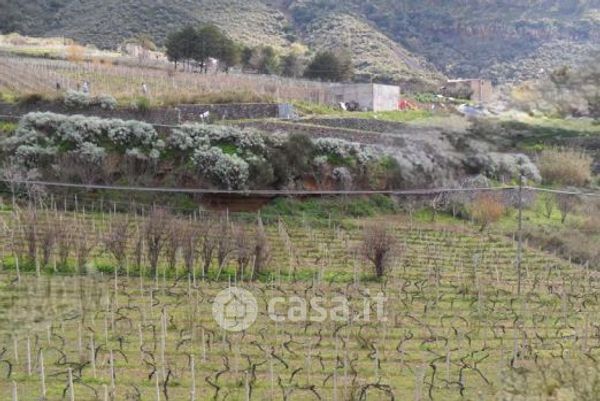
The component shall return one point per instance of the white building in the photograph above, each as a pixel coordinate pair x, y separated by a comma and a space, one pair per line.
371, 97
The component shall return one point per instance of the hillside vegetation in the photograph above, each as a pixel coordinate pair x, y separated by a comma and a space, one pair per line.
497, 39
374, 54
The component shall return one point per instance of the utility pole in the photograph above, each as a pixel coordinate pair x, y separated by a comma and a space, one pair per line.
520, 232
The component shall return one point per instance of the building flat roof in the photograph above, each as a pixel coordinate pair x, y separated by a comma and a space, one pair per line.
451, 81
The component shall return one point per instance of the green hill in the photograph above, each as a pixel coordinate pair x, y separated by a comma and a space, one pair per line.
391, 40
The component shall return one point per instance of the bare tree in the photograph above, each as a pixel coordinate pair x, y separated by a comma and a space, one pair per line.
225, 246
85, 241
243, 249
262, 249
48, 240
173, 242
190, 236
209, 244
13, 175
64, 239
378, 246
436, 203
116, 240
566, 204
29, 225
156, 230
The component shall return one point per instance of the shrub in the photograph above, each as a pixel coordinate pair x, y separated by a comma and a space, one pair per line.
486, 208
341, 149
7, 128
30, 98
106, 102
191, 136
142, 104
502, 166
230, 171
565, 167
91, 152
40, 136
77, 100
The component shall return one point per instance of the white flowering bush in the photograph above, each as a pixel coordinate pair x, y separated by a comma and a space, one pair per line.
230, 171
187, 138
342, 149
191, 136
503, 166
128, 135
228, 157
34, 155
89, 136
77, 100
91, 152
343, 177
106, 102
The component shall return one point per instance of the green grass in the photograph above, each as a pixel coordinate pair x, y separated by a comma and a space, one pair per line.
8, 97
7, 128
536, 134
312, 109
395, 116
307, 108
323, 209
228, 148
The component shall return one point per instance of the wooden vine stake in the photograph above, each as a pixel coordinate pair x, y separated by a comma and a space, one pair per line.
15, 396
157, 386
42, 375
163, 343
247, 385
193, 373
16, 348
71, 389
28, 356
203, 347
93, 355
271, 372
335, 368
113, 386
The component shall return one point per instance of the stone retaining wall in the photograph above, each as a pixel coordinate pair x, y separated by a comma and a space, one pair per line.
161, 116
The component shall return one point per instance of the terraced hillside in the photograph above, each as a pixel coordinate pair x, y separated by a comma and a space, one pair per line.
455, 326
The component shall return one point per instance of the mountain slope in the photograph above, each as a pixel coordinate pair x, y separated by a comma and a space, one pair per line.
499, 39
374, 54
477, 37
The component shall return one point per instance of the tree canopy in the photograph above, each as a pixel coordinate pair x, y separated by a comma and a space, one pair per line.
329, 66
200, 44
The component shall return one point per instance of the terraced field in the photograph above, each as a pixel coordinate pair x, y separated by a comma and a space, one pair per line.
454, 328
21, 75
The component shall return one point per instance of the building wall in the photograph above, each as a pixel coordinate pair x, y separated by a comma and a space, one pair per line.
385, 97
486, 91
374, 97
360, 93
483, 90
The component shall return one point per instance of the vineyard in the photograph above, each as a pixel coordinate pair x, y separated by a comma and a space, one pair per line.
31, 75
105, 305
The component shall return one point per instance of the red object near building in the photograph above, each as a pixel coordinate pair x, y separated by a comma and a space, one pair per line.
404, 104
